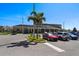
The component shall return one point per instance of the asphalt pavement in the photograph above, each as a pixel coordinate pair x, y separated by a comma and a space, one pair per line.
8, 47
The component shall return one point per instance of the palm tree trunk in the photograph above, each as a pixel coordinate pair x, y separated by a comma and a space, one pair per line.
37, 31
33, 30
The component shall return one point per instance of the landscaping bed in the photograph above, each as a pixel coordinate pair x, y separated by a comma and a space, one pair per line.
33, 39
4, 33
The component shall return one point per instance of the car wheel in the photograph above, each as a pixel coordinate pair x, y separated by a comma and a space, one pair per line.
61, 39
55, 40
66, 39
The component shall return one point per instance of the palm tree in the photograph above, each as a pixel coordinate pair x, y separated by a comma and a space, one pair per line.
37, 19
33, 13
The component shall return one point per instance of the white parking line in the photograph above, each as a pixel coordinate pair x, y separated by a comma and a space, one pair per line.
54, 47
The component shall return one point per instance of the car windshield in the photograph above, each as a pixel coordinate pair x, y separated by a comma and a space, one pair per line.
60, 33
65, 34
75, 33
71, 34
50, 34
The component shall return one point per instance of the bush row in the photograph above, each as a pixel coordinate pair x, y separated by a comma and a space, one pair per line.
32, 38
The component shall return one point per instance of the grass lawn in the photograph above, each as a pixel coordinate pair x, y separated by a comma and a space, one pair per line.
4, 33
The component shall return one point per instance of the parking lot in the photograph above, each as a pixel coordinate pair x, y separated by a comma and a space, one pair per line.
60, 48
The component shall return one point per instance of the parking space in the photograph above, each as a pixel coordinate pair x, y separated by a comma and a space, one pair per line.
5, 39
60, 48
71, 48
31, 50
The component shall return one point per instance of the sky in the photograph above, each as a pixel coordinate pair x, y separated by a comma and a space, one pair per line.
66, 14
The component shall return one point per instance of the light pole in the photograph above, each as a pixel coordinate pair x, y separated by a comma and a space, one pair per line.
22, 24
33, 6
63, 25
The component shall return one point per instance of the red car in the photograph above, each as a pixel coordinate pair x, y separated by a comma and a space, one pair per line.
50, 36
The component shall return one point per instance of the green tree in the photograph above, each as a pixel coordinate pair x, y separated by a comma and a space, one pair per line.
74, 29
1, 28
37, 19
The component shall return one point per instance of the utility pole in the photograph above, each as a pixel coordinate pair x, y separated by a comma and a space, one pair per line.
33, 6
22, 24
63, 25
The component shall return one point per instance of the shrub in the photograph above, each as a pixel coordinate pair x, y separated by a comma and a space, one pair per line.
40, 40
32, 38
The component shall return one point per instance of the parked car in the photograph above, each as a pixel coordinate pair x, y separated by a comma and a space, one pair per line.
63, 36
75, 33
50, 37
72, 36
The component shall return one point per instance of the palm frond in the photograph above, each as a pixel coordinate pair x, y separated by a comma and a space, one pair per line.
41, 14
33, 13
30, 18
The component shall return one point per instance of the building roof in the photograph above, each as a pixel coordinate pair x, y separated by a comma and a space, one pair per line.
43, 26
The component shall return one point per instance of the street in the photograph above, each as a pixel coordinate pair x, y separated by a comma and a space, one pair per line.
60, 48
